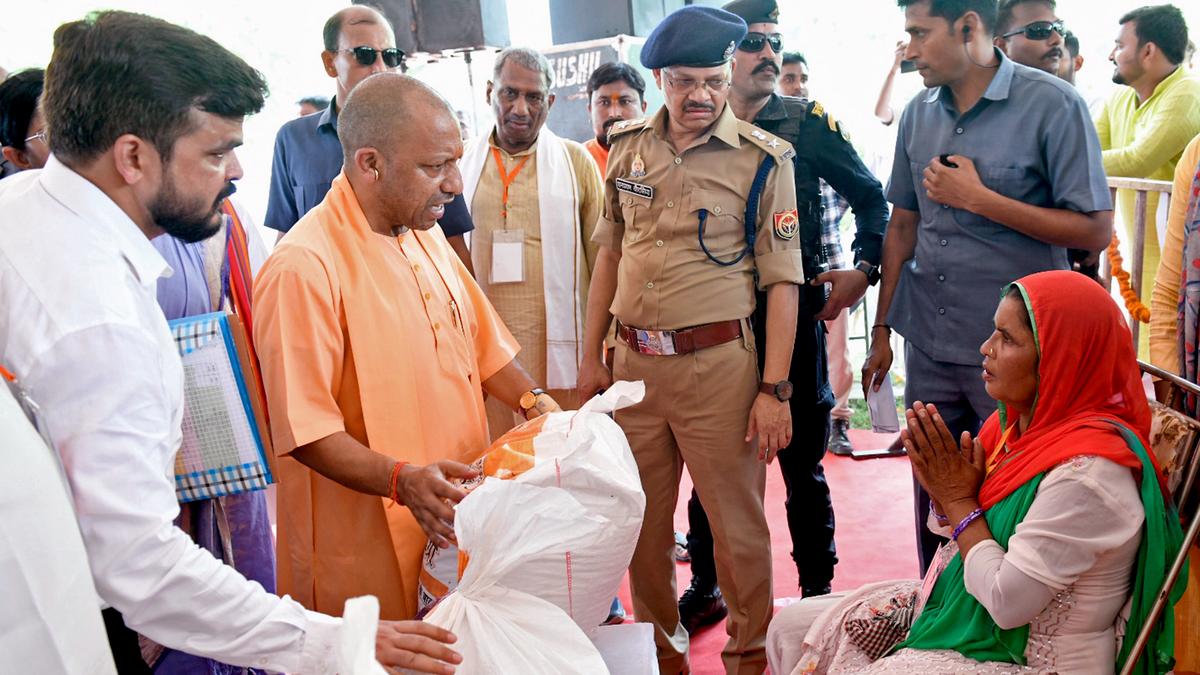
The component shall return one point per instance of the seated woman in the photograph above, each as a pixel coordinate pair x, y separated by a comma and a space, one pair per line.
1056, 514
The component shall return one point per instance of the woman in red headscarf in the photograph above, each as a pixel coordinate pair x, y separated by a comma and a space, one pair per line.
1056, 513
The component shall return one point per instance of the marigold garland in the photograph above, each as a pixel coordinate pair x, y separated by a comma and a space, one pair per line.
1136, 309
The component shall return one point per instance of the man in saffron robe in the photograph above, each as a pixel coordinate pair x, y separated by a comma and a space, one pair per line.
376, 346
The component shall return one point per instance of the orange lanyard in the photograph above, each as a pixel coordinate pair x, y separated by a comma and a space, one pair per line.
994, 459
507, 179
7, 375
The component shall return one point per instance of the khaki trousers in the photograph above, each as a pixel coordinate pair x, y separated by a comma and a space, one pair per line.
695, 413
501, 418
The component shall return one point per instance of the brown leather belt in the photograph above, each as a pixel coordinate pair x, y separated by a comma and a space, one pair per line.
681, 341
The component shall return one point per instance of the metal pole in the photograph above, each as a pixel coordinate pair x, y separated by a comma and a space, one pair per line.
1160, 603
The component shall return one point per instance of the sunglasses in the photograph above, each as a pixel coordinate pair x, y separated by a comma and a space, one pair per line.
366, 55
1040, 30
754, 42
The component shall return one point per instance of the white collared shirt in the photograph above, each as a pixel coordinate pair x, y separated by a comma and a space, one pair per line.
80, 327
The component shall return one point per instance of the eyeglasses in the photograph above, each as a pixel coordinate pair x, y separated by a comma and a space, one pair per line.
687, 85
366, 56
754, 42
39, 136
1040, 30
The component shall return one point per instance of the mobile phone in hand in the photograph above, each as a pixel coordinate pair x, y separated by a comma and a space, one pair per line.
908, 66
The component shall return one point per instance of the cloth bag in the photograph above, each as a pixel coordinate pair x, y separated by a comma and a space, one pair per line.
585, 454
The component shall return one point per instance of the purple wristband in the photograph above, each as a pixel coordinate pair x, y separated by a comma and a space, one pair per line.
966, 522
939, 517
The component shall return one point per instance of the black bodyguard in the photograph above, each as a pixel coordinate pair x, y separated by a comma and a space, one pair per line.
823, 151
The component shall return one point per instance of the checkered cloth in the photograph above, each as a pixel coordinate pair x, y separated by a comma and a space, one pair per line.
220, 482
883, 627
834, 206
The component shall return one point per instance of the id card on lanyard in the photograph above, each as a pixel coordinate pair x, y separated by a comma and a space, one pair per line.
508, 245
508, 257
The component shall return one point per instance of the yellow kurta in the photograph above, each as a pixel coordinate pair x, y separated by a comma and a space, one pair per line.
1145, 140
522, 305
1164, 310
389, 340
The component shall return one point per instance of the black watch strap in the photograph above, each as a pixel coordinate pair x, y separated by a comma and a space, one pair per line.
872, 271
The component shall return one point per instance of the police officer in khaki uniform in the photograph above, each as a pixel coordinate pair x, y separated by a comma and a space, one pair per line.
699, 206
823, 152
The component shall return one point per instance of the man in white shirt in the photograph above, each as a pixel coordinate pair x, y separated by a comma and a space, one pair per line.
143, 117
51, 619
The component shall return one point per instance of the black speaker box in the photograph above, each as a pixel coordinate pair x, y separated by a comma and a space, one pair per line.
438, 25
581, 20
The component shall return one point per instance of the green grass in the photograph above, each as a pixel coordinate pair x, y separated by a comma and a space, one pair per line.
861, 418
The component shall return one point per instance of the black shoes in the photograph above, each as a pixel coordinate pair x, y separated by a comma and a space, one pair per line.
839, 439
701, 605
814, 591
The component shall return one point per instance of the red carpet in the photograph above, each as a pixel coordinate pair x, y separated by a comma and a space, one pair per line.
872, 500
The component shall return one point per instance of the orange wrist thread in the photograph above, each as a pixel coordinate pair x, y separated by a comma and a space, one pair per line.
394, 482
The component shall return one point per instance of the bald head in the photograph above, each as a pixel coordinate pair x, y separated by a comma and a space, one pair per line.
386, 107
402, 146
355, 15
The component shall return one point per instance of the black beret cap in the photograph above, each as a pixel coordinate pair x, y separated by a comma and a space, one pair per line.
754, 11
695, 36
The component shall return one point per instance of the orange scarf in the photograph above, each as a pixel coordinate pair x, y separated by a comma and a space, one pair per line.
1088, 378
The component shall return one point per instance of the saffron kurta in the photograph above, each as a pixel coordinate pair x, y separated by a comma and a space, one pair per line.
387, 339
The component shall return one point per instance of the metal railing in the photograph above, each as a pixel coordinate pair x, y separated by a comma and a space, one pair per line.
1183, 497
1135, 264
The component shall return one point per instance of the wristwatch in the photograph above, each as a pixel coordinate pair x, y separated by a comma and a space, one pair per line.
781, 390
872, 271
529, 399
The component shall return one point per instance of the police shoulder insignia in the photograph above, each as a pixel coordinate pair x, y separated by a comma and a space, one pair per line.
773, 145
787, 224
625, 126
817, 109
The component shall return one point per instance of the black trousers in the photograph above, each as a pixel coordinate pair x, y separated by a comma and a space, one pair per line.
127, 655
809, 506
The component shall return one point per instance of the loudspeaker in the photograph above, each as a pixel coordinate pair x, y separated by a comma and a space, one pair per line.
437, 25
581, 20
400, 14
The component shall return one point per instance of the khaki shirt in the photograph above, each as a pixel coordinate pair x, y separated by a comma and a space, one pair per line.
665, 281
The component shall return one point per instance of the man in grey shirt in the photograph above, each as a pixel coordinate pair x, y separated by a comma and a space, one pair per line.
997, 172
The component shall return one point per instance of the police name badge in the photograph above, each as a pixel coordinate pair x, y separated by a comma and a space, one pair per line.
787, 224
633, 188
638, 168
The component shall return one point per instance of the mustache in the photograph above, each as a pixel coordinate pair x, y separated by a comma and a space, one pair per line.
688, 107
225, 193
1057, 51
441, 199
763, 65
518, 119
610, 121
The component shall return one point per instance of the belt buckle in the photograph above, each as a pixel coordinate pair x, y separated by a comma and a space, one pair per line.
655, 342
